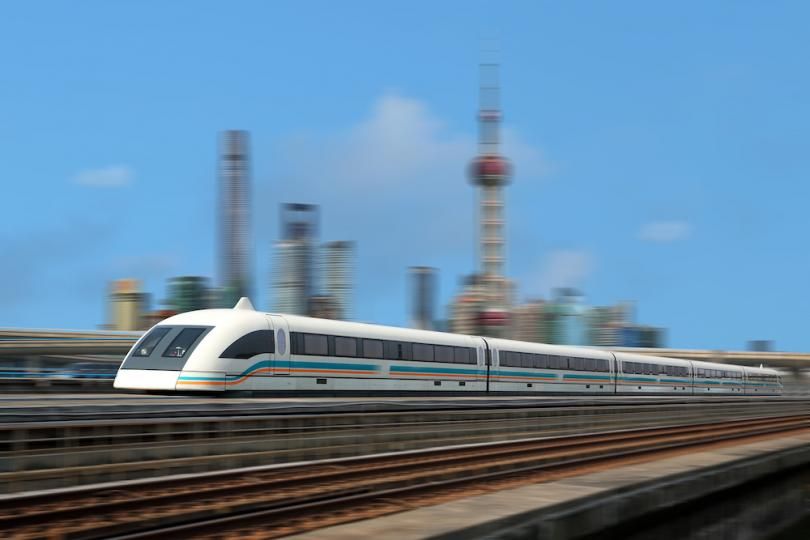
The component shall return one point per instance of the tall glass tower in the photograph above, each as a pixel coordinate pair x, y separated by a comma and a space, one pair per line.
234, 214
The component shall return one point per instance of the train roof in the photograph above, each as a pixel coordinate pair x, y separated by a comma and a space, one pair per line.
355, 329
545, 348
645, 358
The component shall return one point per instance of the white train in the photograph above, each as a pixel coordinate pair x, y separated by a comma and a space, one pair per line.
240, 349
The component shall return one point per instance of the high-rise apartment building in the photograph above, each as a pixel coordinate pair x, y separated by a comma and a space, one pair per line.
531, 322
423, 297
127, 305
295, 268
234, 215
338, 262
290, 292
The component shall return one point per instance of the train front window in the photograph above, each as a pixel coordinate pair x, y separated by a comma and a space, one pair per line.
150, 341
184, 340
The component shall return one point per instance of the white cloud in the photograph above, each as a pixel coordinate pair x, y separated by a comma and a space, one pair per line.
401, 144
561, 268
112, 176
665, 231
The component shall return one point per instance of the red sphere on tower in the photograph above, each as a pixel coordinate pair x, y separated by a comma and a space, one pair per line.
490, 170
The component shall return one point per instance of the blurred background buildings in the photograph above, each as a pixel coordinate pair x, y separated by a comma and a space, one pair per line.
310, 278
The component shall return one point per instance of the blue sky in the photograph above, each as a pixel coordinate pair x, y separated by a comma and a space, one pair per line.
660, 151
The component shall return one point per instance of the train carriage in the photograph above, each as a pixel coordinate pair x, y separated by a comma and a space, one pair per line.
651, 375
717, 378
520, 367
762, 382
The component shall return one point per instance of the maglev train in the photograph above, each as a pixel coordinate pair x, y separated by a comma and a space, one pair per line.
243, 350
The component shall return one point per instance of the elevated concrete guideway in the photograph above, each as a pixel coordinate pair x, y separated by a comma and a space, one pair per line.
26, 342
17, 342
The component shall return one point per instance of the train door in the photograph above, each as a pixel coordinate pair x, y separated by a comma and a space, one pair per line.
281, 358
487, 360
614, 367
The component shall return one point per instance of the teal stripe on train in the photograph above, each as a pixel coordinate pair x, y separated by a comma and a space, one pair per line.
266, 364
438, 371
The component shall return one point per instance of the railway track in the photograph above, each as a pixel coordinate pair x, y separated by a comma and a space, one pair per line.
270, 502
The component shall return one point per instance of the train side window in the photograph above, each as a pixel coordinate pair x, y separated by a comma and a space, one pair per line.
472, 356
444, 353
345, 346
316, 344
575, 364
422, 352
247, 346
461, 355
372, 348
396, 350
542, 361
526, 360
150, 341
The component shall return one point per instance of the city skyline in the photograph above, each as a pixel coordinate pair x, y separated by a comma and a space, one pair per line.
685, 183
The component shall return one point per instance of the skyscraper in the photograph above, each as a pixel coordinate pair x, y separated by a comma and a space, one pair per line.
423, 297
234, 212
294, 280
338, 260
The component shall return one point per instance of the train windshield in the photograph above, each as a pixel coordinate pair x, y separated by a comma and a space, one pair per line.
150, 340
165, 348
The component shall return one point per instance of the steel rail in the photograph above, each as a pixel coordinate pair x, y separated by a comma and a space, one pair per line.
370, 476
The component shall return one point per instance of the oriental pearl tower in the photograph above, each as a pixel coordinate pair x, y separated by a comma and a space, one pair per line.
490, 172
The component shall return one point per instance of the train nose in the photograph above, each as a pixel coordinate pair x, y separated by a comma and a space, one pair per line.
145, 379
157, 360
